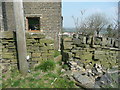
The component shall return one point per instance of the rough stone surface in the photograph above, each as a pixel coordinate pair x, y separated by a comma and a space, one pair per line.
84, 80
36, 49
89, 64
48, 12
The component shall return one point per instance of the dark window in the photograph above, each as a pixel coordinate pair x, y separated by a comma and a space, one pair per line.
33, 23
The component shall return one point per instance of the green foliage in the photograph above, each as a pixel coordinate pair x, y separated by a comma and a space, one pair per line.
65, 66
64, 83
16, 83
46, 65
56, 53
51, 74
37, 78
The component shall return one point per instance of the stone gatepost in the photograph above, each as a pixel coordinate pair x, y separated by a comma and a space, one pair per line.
1, 17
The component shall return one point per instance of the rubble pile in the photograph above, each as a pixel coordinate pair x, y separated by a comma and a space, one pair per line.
89, 63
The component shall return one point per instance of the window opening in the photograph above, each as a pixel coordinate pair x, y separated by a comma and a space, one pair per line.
33, 23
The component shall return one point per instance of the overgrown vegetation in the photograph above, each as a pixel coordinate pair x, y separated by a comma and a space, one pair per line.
46, 65
56, 53
45, 75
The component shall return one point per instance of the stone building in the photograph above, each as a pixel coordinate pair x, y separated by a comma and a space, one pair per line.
44, 17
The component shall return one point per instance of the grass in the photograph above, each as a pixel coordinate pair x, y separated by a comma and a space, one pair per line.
46, 65
38, 78
56, 53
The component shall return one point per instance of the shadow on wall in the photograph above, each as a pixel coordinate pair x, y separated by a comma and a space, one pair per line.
4, 16
65, 56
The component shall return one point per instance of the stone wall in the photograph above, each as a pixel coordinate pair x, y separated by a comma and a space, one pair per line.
92, 62
38, 47
79, 48
48, 12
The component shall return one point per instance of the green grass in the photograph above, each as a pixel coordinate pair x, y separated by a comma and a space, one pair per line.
65, 66
52, 75
63, 83
56, 53
46, 65
37, 78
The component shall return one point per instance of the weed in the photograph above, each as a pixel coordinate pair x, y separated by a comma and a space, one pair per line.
50, 74
16, 83
64, 83
56, 53
65, 66
46, 65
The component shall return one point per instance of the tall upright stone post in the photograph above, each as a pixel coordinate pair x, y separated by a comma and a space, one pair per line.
0, 45
1, 17
119, 38
20, 35
119, 23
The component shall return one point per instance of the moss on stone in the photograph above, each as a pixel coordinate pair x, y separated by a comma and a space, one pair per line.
47, 41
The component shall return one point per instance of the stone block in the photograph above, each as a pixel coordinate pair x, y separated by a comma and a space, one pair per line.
86, 56
11, 40
35, 48
4, 50
67, 39
47, 41
31, 51
37, 59
6, 61
29, 45
4, 42
99, 57
28, 41
84, 40
45, 58
109, 40
43, 49
70, 54
99, 52
49, 47
58, 58
50, 57
44, 52
35, 35
51, 51
6, 34
104, 41
41, 45
76, 41
67, 45
11, 44
13, 60
82, 45
116, 44
7, 55
12, 47
36, 55
97, 42
88, 40
79, 53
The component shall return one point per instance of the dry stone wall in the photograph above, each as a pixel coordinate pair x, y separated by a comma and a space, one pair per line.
104, 51
91, 65
38, 47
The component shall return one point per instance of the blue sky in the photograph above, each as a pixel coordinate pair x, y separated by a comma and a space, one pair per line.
70, 9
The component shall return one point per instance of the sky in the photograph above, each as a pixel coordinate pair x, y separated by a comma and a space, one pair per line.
70, 9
